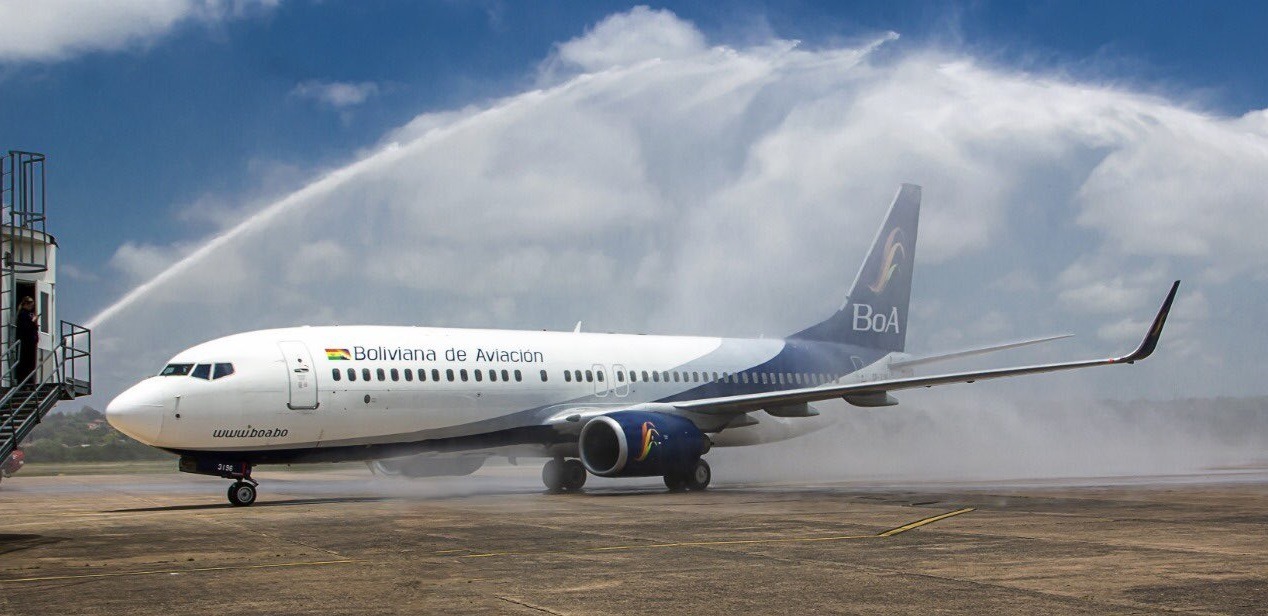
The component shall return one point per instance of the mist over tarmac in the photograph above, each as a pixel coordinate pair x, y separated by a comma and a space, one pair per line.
962, 435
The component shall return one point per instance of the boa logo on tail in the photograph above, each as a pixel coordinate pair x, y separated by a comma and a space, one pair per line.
894, 253
650, 435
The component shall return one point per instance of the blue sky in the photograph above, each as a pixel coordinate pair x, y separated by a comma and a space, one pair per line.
165, 136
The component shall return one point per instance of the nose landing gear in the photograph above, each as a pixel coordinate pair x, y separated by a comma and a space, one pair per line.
242, 493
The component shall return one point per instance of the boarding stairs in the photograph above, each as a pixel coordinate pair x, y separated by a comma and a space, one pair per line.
24, 242
64, 374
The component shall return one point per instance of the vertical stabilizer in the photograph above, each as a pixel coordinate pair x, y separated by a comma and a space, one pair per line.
875, 313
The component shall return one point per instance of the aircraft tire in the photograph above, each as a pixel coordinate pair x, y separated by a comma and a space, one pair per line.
574, 475
699, 477
553, 475
241, 494
676, 482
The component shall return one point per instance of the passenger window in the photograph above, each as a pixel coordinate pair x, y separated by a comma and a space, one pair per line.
633, 376
381, 375
599, 375
462, 374
675, 376
656, 377
335, 374
620, 377
352, 374
544, 377
567, 376
222, 370
479, 376
576, 375
519, 376
493, 376
665, 375
449, 375
505, 375
396, 374
695, 376
409, 374
435, 374
422, 375
201, 371
645, 379
715, 377
365, 374
176, 369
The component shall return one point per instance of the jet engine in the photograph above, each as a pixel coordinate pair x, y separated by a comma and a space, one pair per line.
641, 444
426, 466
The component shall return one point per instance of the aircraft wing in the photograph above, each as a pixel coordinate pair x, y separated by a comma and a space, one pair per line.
874, 393
929, 359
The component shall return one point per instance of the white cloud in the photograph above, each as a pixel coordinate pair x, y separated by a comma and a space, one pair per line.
627, 38
732, 191
138, 263
57, 29
336, 94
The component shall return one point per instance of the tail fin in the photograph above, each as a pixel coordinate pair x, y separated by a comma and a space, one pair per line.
875, 313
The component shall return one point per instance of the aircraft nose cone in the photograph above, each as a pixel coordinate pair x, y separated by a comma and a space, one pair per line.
136, 415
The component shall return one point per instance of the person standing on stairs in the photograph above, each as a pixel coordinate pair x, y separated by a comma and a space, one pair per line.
28, 327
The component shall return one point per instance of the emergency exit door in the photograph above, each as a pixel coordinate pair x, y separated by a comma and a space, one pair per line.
301, 374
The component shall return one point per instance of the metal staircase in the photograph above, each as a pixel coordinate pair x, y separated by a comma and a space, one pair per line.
63, 375
64, 371
25, 240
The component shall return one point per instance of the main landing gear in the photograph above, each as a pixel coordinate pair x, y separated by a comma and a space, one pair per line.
562, 475
695, 477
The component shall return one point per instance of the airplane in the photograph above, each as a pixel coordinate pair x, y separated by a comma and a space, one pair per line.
422, 401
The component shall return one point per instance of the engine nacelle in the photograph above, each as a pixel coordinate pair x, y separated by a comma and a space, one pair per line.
415, 467
640, 444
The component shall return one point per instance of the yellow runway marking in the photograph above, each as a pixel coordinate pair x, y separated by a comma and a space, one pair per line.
52, 578
918, 523
684, 544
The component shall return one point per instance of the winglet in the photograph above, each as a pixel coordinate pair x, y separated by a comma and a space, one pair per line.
1147, 345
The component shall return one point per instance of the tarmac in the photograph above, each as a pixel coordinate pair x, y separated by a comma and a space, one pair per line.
342, 542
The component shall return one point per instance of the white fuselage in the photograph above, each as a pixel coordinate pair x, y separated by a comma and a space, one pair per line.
357, 390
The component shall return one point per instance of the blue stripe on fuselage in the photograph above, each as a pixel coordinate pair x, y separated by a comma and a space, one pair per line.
796, 356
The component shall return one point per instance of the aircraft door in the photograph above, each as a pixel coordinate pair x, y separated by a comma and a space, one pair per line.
600, 381
622, 388
302, 375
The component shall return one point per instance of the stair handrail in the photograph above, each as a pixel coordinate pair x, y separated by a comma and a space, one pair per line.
76, 344
53, 377
10, 354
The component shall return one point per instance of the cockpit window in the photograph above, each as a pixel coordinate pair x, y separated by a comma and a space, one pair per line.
222, 370
201, 371
176, 369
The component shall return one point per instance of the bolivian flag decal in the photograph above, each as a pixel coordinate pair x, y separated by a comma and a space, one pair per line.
338, 354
